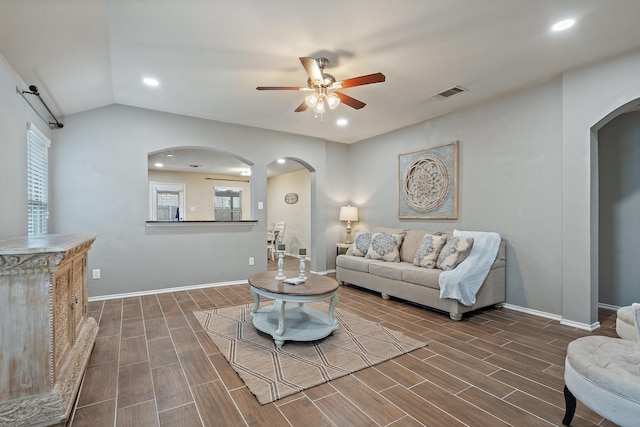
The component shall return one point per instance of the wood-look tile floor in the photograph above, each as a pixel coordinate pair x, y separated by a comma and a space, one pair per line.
153, 365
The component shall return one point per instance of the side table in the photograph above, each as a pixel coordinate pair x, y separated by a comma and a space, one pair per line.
340, 246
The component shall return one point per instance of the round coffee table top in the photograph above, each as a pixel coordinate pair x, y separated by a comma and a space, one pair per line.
314, 285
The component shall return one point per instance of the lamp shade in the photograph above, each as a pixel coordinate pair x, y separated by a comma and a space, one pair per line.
348, 213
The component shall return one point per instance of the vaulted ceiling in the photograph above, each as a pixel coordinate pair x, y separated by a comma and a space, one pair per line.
209, 56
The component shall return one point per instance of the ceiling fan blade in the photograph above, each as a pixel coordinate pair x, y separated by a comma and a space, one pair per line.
301, 107
351, 102
313, 69
359, 81
279, 88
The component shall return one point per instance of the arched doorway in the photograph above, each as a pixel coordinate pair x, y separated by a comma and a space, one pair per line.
291, 197
591, 97
618, 225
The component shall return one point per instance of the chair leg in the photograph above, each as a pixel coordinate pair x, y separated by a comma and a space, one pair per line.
570, 402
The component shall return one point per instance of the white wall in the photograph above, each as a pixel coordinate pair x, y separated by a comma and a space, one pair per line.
510, 171
619, 209
15, 113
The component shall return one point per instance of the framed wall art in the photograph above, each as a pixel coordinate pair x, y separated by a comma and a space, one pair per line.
428, 183
291, 198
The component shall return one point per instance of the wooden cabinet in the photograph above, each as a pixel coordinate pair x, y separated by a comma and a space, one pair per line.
46, 336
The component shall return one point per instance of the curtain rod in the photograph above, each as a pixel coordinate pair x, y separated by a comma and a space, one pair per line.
225, 179
33, 90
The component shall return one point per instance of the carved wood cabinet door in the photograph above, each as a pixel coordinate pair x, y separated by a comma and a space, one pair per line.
62, 316
78, 296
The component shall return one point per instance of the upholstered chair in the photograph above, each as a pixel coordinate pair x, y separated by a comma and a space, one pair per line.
603, 373
625, 326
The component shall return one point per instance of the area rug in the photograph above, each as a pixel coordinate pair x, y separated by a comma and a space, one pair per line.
271, 374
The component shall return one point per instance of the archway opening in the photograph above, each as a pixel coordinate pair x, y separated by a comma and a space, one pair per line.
291, 198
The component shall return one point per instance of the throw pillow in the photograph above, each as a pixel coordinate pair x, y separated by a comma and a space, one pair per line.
361, 243
385, 247
428, 250
454, 252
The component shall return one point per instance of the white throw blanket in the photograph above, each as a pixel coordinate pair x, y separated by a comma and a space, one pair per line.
462, 283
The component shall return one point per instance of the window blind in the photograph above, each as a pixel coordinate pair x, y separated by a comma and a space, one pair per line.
37, 181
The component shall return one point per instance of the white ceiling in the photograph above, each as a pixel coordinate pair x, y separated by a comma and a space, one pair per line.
210, 55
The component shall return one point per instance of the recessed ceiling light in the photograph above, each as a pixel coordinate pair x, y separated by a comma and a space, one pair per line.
342, 122
563, 25
149, 81
281, 161
159, 165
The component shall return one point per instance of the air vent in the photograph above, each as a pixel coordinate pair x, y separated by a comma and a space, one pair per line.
449, 92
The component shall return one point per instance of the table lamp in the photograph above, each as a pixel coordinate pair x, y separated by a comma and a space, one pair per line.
348, 213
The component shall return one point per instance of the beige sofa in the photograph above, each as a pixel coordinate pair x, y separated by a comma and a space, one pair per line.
420, 285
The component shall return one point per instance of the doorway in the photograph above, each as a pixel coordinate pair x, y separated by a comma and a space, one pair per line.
291, 198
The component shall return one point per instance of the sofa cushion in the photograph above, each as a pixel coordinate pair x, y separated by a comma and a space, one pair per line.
410, 244
385, 246
428, 251
388, 270
353, 263
455, 251
428, 277
361, 243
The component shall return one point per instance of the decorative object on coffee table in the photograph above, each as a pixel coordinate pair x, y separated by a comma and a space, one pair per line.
428, 183
303, 254
280, 251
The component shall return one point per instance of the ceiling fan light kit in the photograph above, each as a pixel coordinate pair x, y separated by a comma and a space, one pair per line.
325, 87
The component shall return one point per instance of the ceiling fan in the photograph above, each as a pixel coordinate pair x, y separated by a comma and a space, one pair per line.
324, 87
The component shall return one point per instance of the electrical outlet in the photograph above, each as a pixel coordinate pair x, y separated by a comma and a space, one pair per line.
260, 205
251, 261
96, 273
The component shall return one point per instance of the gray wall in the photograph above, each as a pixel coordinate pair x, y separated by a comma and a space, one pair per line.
591, 97
509, 173
529, 169
619, 200
15, 113
100, 186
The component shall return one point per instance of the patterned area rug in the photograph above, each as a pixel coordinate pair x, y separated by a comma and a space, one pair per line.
272, 374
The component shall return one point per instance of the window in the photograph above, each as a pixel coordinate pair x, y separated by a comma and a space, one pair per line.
168, 206
227, 204
37, 182
167, 202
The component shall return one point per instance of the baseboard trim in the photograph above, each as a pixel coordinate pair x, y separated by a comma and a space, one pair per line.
533, 312
166, 290
608, 306
578, 325
557, 317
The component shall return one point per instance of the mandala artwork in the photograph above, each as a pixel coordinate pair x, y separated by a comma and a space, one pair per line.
428, 186
426, 183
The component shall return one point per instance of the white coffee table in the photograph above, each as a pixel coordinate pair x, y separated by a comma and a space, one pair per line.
294, 322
